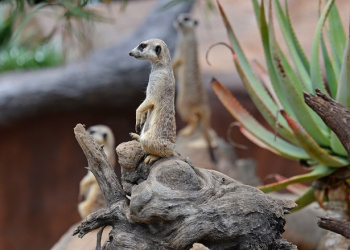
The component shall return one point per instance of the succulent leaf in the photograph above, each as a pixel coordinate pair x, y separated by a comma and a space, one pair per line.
296, 43
332, 78
311, 147
315, 69
263, 101
300, 61
264, 31
336, 31
253, 126
293, 94
318, 172
305, 199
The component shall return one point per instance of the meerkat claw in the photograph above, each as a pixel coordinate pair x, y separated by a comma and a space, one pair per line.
143, 119
135, 136
151, 158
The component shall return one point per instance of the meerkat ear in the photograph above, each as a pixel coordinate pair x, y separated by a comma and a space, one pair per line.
104, 135
195, 22
158, 49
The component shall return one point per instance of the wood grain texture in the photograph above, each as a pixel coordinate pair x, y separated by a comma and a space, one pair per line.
335, 225
335, 115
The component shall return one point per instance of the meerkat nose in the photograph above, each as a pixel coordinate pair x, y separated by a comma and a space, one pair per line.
130, 53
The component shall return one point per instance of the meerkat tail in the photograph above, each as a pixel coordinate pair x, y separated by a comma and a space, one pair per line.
210, 148
209, 141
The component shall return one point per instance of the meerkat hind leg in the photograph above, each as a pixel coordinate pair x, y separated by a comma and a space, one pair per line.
191, 127
89, 205
151, 158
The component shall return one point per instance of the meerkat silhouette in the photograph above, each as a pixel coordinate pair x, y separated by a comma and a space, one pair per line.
155, 117
191, 101
89, 188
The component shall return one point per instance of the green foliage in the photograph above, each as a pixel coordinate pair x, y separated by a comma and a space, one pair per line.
208, 3
301, 134
20, 50
20, 58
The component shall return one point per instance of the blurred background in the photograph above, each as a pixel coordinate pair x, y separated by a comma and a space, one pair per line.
41, 164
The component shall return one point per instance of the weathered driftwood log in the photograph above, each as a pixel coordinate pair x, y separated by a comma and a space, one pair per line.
335, 115
107, 77
173, 205
338, 226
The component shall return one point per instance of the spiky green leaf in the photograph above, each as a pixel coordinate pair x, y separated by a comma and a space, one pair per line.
311, 147
253, 126
265, 36
293, 91
336, 30
304, 200
300, 61
332, 78
315, 69
318, 172
263, 101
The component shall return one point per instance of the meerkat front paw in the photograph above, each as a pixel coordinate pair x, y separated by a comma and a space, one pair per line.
140, 120
151, 158
135, 136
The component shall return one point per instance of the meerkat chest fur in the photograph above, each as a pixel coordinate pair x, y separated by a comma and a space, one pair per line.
161, 91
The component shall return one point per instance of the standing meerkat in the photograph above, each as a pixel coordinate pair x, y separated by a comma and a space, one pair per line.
192, 101
89, 188
156, 114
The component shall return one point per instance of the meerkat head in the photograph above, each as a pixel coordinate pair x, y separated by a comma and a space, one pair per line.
154, 50
185, 22
103, 135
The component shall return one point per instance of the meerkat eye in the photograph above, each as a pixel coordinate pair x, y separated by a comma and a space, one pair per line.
104, 135
142, 46
91, 132
158, 49
186, 19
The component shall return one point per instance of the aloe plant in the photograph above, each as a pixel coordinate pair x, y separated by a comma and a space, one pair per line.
277, 92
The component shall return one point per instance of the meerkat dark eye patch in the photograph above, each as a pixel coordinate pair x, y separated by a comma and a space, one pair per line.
142, 46
91, 132
158, 49
104, 135
186, 19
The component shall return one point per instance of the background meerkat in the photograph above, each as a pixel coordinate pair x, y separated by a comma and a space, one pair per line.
156, 114
89, 188
191, 101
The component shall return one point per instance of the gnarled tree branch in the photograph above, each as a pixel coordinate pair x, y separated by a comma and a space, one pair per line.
335, 115
99, 166
336, 226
